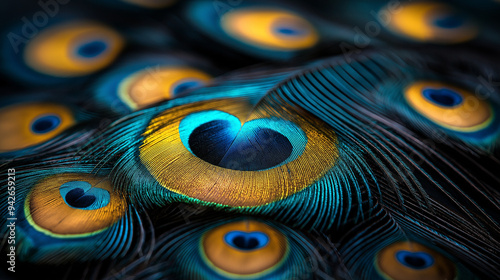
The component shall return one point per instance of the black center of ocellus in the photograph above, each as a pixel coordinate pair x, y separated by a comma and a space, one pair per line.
215, 143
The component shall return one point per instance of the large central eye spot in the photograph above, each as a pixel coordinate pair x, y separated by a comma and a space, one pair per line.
45, 123
415, 260
444, 97
92, 49
239, 155
246, 241
257, 145
81, 195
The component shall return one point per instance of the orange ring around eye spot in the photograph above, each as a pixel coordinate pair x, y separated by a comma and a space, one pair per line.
16, 121
472, 114
233, 261
152, 85
47, 211
52, 51
415, 21
389, 266
165, 156
257, 27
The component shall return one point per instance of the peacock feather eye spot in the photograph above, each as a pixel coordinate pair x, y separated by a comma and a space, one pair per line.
246, 241
81, 195
243, 148
412, 261
270, 28
454, 108
92, 49
67, 204
77, 198
444, 97
140, 85
415, 260
244, 248
73, 49
432, 22
45, 123
28, 124
228, 141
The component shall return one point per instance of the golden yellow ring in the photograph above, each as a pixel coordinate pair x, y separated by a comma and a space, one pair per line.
149, 86
51, 51
15, 124
50, 214
472, 114
166, 158
413, 21
388, 265
255, 26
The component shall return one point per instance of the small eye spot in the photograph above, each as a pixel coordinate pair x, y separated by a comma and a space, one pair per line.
291, 30
92, 49
415, 260
81, 195
443, 97
45, 124
246, 241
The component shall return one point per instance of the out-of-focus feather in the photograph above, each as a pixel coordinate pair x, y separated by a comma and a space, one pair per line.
144, 80
36, 124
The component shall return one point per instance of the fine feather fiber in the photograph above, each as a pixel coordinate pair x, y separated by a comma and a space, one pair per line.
275, 139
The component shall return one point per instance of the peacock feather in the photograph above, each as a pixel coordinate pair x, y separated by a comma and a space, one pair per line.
250, 140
